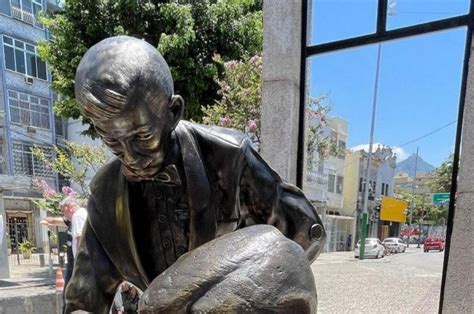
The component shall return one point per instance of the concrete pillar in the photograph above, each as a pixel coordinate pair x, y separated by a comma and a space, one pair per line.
4, 265
459, 280
281, 85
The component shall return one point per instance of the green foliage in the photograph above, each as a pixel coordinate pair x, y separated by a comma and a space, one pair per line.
240, 90
187, 33
26, 247
443, 175
73, 161
435, 215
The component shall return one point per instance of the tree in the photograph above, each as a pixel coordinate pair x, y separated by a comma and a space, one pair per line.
240, 90
187, 33
442, 177
74, 162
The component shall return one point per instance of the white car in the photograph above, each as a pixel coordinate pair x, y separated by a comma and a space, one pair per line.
395, 245
373, 248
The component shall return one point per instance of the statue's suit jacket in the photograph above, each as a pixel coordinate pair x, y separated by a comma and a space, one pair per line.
229, 186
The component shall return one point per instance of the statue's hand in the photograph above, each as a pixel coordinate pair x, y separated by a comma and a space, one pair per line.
255, 268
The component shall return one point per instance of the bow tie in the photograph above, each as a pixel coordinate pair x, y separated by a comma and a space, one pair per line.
169, 176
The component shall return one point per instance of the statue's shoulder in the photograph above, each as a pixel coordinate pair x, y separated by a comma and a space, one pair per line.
106, 174
212, 133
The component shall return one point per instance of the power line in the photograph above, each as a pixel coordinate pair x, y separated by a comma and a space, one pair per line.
428, 134
406, 143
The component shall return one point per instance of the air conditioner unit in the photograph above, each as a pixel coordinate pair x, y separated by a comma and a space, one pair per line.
28, 80
29, 129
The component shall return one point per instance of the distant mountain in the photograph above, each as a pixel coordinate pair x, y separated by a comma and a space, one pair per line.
408, 165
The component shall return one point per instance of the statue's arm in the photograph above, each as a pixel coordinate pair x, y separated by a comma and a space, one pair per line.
94, 279
265, 198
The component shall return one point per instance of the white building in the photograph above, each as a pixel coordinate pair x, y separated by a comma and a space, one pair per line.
324, 184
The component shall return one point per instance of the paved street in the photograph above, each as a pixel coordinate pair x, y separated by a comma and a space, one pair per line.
399, 283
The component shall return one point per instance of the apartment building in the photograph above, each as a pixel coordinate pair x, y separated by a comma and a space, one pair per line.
27, 117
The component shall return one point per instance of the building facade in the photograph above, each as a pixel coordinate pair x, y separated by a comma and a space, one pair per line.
324, 184
27, 119
380, 182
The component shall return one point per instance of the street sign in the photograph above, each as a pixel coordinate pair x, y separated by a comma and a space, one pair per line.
393, 209
440, 199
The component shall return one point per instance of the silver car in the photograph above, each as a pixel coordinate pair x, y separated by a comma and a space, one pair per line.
373, 248
395, 245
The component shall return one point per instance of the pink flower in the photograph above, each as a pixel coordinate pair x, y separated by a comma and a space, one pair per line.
230, 64
252, 125
49, 193
224, 121
68, 191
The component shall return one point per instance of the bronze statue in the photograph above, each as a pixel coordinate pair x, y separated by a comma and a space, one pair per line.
174, 197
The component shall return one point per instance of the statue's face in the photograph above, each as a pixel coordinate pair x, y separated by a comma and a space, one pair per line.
139, 138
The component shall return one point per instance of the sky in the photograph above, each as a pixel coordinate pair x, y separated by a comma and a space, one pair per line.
419, 79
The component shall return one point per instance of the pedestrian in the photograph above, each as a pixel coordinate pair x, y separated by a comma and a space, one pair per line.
126, 299
349, 242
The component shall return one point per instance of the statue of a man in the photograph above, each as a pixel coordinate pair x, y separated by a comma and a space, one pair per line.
173, 185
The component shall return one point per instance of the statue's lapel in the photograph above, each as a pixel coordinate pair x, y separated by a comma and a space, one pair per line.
124, 226
202, 216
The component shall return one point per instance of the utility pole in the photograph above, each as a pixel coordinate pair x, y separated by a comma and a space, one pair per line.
413, 187
420, 221
365, 212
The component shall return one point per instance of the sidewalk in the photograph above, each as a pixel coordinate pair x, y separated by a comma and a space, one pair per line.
29, 289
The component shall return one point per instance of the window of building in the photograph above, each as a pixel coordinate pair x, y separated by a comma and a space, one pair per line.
342, 145
386, 189
23, 58
59, 122
59, 126
28, 110
383, 189
27, 11
361, 185
24, 163
339, 184
331, 183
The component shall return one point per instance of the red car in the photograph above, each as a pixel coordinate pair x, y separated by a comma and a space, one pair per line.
432, 243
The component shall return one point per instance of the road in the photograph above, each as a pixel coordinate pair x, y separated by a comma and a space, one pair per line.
399, 283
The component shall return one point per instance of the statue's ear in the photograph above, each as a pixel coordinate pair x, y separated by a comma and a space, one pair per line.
176, 107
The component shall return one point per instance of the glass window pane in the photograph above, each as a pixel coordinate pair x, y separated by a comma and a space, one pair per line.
331, 182
34, 99
44, 102
9, 58
7, 40
19, 44
418, 94
26, 5
24, 97
30, 48
24, 117
45, 121
340, 19
20, 61
35, 119
30, 64
41, 69
403, 13
24, 105
12, 94
14, 115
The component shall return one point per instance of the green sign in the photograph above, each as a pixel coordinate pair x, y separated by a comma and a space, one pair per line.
441, 199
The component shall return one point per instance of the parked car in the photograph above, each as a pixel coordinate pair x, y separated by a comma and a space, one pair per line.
433, 243
395, 245
373, 248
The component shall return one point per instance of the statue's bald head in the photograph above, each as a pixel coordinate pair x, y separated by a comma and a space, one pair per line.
120, 69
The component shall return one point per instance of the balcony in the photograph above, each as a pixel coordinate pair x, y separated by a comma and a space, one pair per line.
24, 14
